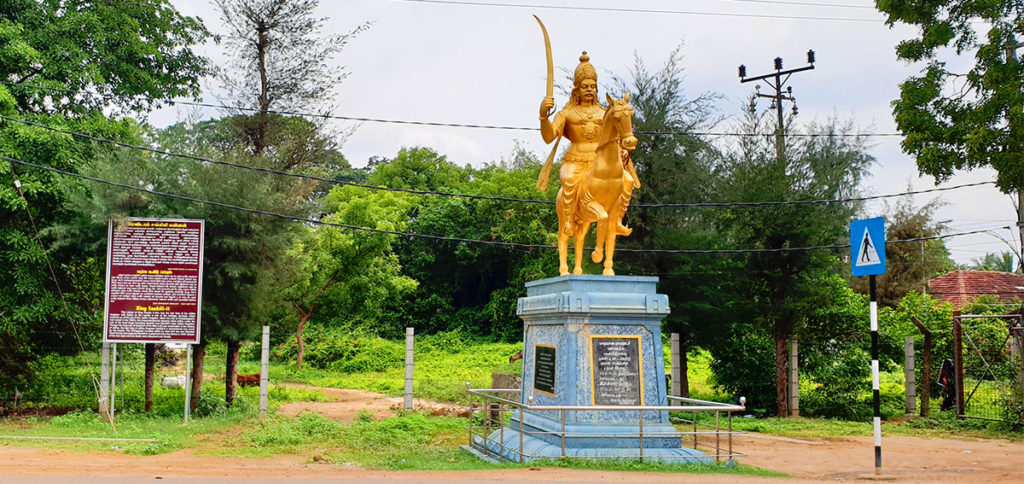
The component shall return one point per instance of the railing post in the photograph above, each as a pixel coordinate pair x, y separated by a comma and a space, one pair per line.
562, 415
641, 436
501, 435
718, 438
730, 435
694, 429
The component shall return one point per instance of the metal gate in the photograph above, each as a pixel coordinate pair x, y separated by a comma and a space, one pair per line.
987, 354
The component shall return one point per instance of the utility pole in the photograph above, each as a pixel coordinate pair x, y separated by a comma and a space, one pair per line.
777, 82
781, 93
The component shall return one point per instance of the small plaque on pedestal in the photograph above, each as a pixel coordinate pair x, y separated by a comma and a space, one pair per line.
544, 369
616, 371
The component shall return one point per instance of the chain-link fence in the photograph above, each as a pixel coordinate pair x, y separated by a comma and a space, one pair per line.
989, 367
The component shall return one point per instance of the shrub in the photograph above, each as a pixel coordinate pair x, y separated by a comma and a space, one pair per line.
744, 365
338, 351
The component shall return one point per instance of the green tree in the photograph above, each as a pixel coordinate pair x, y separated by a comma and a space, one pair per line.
464, 285
1004, 262
248, 264
345, 272
773, 285
130, 57
280, 62
674, 168
962, 120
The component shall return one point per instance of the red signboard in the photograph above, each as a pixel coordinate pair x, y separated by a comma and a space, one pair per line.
154, 281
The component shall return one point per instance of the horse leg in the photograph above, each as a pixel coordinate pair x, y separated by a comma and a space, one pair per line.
581, 233
609, 245
600, 216
598, 252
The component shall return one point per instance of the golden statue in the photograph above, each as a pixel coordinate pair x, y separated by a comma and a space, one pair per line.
597, 175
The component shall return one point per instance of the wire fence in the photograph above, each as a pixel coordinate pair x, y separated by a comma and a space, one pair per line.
990, 369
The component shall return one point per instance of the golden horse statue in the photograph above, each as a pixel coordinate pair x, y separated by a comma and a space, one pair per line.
604, 191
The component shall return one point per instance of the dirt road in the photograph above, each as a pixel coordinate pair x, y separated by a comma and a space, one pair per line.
905, 459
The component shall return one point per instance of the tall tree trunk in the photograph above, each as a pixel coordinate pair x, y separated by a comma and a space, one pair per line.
231, 373
259, 144
150, 361
780, 372
298, 336
198, 356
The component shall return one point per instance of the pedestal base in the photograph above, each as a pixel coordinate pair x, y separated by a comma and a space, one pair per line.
591, 341
544, 439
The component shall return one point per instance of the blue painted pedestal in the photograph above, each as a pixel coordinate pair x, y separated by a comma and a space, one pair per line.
573, 315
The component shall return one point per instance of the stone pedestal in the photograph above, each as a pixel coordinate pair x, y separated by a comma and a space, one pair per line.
592, 341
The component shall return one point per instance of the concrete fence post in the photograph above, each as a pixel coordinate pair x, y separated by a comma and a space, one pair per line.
677, 377
104, 398
908, 368
408, 367
794, 378
264, 371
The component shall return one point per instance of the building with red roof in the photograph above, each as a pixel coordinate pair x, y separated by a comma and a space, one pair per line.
958, 287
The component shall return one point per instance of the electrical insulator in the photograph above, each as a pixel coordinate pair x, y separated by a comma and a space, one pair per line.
743, 71
810, 57
778, 63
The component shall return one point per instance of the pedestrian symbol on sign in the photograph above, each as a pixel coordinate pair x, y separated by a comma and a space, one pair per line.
868, 255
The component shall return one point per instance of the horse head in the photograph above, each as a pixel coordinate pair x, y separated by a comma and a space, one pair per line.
620, 116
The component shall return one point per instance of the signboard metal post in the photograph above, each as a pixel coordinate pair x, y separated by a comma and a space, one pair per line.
188, 382
867, 258
113, 379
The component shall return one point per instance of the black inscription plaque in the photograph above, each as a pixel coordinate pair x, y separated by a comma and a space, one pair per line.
544, 369
616, 370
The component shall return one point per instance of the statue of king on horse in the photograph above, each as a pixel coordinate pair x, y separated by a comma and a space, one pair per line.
597, 176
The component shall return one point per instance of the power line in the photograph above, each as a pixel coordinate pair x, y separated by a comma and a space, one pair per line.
640, 10
434, 123
56, 283
803, 4
456, 239
479, 197
261, 170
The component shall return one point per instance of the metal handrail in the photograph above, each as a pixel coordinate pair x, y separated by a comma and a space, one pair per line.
498, 404
707, 405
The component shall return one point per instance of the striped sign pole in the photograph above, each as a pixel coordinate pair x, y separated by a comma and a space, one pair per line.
874, 378
867, 258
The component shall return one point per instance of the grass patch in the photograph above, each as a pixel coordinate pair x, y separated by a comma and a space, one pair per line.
412, 441
168, 432
441, 371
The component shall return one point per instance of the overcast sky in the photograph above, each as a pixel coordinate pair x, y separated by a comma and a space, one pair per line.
453, 62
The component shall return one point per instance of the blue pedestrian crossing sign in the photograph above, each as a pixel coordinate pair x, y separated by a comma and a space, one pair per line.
867, 247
